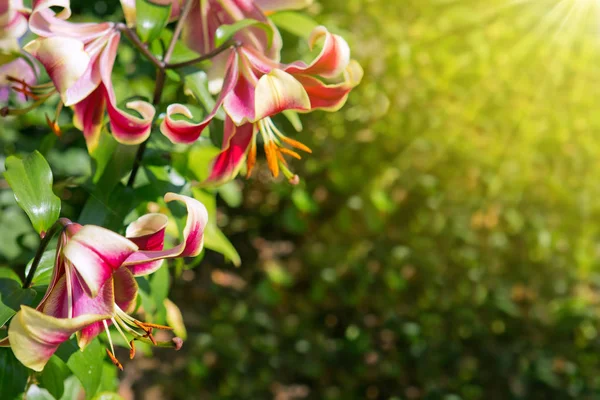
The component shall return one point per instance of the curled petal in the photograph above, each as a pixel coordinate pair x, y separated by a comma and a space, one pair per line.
332, 60
148, 233
182, 131
96, 253
126, 128
187, 132
45, 22
331, 97
278, 91
193, 235
236, 141
65, 61
34, 337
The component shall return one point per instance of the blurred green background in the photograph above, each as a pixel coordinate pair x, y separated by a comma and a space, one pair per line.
444, 241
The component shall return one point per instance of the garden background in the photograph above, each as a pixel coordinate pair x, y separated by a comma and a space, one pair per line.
444, 242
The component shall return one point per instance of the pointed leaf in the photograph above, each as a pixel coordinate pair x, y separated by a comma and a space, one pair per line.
53, 377
151, 19
30, 178
43, 273
13, 375
12, 295
86, 365
294, 22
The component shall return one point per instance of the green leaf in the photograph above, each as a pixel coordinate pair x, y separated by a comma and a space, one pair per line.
226, 32
107, 396
196, 85
13, 375
86, 364
12, 295
53, 376
30, 178
43, 273
214, 239
151, 19
159, 285
295, 23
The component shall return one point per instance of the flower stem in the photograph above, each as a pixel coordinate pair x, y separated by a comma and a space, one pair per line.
227, 45
57, 227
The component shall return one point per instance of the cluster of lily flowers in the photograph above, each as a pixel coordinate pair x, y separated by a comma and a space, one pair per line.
93, 284
252, 83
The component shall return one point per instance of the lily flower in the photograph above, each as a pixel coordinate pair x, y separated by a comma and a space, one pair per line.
257, 88
14, 68
79, 58
93, 285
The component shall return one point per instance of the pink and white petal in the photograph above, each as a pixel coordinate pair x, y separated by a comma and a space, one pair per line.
180, 131
18, 68
44, 22
236, 142
332, 60
126, 128
126, 289
148, 233
193, 235
102, 304
239, 102
280, 5
96, 253
322, 96
34, 336
64, 58
88, 116
278, 91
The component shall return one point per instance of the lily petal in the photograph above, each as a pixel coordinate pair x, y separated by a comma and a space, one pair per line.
332, 60
148, 233
96, 253
34, 337
193, 234
126, 289
45, 22
278, 91
65, 61
126, 128
179, 131
88, 116
331, 97
236, 141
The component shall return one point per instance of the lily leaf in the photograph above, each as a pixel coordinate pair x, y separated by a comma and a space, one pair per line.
53, 377
151, 19
294, 22
86, 364
14, 375
30, 178
226, 32
43, 273
12, 295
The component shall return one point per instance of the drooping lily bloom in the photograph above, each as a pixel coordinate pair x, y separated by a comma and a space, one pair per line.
93, 285
79, 58
255, 89
14, 69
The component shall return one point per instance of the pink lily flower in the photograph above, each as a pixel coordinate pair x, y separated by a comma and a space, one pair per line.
13, 67
93, 285
79, 58
256, 88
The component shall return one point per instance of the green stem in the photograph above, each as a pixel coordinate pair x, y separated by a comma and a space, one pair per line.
57, 227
